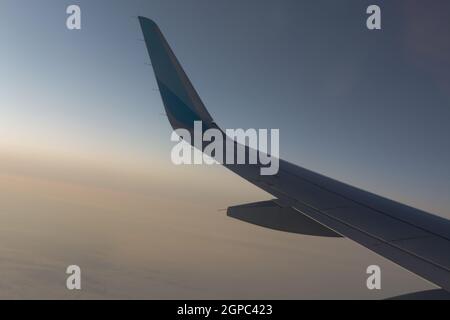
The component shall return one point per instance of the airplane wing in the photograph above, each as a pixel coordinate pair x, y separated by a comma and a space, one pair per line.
416, 240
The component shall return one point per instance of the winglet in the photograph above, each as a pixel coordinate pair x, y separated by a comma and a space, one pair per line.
182, 103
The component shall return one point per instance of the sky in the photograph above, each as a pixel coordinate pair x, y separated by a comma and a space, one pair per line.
85, 167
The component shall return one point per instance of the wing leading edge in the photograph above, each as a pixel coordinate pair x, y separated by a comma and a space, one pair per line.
413, 239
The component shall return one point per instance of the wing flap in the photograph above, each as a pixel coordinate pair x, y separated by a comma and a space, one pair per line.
273, 215
376, 224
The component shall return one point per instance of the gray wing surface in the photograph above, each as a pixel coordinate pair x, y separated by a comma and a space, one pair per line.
416, 240
413, 239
